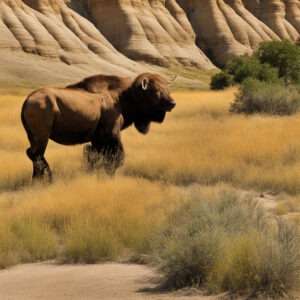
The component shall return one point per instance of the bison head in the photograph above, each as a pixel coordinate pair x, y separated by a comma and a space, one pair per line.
152, 100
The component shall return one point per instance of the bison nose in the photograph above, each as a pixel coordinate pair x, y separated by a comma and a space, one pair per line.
171, 105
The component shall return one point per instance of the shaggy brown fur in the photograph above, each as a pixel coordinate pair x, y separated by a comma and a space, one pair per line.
94, 110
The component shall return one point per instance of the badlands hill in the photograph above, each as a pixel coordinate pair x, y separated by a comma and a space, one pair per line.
63, 40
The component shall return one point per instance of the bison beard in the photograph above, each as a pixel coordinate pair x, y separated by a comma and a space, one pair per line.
159, 116
143, 124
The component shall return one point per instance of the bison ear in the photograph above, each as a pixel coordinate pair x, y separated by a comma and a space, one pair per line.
145, 83
142, 127
142, 81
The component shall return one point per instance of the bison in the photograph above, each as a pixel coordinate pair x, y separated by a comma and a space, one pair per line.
93, 111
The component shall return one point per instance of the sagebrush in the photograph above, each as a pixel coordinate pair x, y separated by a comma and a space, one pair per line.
261, 97
223, 243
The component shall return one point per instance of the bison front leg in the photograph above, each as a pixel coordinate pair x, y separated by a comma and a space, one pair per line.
91, 156
107, 153
112, 155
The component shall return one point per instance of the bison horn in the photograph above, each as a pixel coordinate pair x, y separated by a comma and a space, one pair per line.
145, 83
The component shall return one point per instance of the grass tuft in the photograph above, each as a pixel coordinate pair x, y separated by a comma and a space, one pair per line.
89, 242
106, 219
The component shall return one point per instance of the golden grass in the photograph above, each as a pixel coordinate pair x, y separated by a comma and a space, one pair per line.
93, 217
200, 142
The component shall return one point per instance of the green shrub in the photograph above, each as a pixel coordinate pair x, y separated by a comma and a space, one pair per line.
260, 97
221, 81
223, 243
272, 62
283, 55
244, 67
268, 73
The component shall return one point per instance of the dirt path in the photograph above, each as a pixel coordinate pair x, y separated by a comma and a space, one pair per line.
102, 282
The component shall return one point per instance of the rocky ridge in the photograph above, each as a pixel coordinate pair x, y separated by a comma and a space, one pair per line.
125, 37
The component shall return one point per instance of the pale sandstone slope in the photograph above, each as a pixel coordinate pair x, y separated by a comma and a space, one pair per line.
273, 13
180, 16
282, 16
257, 27
252, 6
148, 30
226, 28
293, 13
120, 36
52, 30
77, 34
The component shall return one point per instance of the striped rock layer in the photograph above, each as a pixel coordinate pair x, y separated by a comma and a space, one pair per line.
124, 36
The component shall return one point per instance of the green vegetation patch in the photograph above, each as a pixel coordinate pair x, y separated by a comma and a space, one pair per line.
257, 96
269, 79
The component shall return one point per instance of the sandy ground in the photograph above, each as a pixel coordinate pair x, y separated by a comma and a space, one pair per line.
68, 282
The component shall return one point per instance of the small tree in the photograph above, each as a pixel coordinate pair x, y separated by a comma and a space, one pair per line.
268, 73
244, 67
284, 56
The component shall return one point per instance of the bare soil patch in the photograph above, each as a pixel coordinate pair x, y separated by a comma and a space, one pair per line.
109, 281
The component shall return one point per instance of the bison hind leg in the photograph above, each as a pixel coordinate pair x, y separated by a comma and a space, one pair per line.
41, 169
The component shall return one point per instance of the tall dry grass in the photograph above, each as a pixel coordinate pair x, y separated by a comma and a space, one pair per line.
86, 219
200, 142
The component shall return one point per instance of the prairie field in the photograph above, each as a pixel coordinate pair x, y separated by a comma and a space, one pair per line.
89, 217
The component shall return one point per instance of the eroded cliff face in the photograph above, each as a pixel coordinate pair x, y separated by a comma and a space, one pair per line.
282, 16
231, 27
149, 30
292, 8
273, 13
50, 29
116, 36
